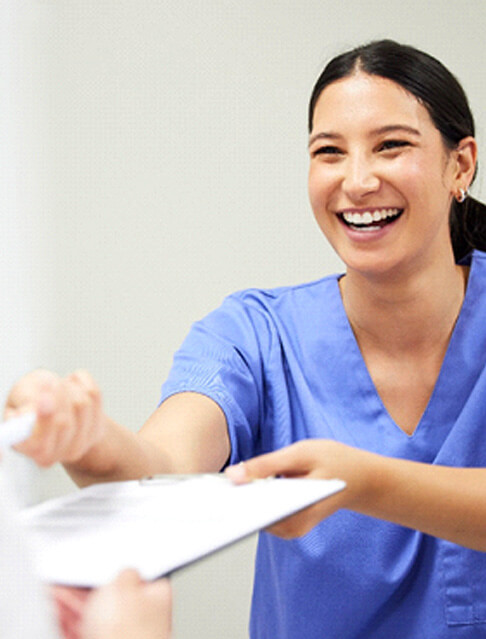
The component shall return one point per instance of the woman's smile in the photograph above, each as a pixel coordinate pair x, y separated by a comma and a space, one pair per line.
369, 226
371, 219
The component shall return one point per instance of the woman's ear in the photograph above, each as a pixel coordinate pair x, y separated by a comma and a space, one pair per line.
465, 155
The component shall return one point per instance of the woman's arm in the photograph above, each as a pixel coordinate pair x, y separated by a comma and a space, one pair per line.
187, 433
445, 502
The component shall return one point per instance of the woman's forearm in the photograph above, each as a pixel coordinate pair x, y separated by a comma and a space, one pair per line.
442, 501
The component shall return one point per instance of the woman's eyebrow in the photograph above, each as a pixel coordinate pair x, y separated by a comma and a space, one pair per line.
388, 128
324, 135
391, 128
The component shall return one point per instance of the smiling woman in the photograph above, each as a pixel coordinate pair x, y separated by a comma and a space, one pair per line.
385, 183
385, 364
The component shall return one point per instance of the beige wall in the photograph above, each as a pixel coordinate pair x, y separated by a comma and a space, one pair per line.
163, 165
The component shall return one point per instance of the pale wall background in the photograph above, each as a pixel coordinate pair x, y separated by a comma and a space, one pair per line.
153, 159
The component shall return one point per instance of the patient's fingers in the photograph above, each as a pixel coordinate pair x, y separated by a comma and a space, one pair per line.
70, 417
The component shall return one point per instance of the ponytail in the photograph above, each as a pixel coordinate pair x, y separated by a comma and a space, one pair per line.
468, 227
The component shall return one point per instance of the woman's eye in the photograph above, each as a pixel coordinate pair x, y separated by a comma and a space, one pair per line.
390, 145
326, 150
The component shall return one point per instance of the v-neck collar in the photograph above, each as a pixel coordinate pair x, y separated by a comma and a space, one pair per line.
444, 402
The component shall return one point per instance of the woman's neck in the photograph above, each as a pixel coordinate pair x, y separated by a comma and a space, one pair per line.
405, 313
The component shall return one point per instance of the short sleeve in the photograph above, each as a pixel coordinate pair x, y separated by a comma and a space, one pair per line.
221, 358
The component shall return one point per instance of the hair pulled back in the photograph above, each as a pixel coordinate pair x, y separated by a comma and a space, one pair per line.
440, 93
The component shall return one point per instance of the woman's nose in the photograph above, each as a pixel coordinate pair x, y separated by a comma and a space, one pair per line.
359, 178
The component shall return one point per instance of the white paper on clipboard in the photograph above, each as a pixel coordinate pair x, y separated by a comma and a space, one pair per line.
156, 526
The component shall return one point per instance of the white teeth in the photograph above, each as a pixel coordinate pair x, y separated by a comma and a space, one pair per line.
368, 217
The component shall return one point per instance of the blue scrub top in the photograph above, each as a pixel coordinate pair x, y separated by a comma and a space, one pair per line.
284, 365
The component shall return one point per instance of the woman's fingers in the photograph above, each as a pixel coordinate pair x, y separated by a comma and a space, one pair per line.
293, 461
311, 458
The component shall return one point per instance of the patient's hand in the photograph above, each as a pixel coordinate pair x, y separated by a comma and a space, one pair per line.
70, 419
70, 606
127, 608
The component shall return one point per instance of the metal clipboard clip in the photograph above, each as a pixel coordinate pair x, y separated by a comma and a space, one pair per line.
175, 478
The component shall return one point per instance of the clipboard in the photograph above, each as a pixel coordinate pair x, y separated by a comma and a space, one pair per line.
157, 525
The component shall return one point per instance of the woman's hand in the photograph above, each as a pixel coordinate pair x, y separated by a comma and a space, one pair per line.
449, 503
313, 459
70, 419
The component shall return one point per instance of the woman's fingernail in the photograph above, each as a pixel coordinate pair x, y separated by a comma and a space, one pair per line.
237, 473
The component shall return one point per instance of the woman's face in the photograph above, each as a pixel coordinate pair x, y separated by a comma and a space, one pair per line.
380, 178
